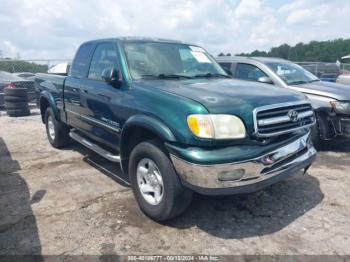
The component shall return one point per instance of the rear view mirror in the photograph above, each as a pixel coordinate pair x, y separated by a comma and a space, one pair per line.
111, 75
265, 80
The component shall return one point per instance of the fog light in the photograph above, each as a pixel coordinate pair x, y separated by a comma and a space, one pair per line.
231, 175
268, 160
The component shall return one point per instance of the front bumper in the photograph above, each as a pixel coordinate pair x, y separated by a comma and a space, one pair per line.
254, 174
339, 125
344, 125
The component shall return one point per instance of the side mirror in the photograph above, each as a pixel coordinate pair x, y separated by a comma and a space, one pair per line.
111, 75
265, 80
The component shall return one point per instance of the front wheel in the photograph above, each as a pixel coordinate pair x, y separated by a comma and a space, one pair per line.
315, 135
156, 186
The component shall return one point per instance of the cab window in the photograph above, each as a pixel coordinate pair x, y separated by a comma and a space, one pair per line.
80, 64
226, 66
248, 72
105, 56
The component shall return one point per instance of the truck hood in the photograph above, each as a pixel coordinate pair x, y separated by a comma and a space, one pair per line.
328, 89
226, 96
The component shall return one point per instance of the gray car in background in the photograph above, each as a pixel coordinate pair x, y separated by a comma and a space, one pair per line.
25, 75
13, 81
331, 101
344, 79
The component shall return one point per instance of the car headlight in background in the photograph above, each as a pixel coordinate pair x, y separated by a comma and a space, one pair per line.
341, 107
216, 126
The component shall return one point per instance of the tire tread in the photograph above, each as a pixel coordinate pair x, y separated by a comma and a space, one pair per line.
176, 199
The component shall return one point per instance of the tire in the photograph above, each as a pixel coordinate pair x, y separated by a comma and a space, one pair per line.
315, 135
18, 112
16, 105
57, 132
22, 92
16, 98
175, 197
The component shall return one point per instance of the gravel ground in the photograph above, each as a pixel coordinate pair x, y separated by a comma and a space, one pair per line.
61, 202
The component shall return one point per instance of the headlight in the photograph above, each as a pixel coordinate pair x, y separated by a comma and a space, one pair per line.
341, 107
216, 126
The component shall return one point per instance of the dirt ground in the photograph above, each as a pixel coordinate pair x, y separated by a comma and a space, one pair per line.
64, 202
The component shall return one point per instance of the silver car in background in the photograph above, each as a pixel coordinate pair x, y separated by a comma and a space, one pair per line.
331, 101
344, 77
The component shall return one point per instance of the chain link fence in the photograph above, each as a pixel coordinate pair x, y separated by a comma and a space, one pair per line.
25, 70
326, 71
30, 66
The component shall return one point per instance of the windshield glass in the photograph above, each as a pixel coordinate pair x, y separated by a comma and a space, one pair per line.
169, 60
292, 74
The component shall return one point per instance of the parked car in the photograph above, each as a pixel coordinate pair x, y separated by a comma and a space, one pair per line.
25, 75
344, 77
10, 80
324, 71
175, 121
330, 101
59, 69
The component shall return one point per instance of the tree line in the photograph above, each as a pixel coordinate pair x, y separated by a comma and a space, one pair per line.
13, 66
315, 51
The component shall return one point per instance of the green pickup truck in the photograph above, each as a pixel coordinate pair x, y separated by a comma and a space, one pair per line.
175, 121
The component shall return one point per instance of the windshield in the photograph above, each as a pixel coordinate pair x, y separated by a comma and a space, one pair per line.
169, 60
292, 74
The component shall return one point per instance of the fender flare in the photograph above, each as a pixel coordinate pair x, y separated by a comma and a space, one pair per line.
150, 123
49, 98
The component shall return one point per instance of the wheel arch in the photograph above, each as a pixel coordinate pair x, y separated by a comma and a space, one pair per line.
46, 100
325, 124
140, 128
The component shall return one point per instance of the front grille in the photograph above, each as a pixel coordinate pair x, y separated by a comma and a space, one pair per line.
282, 118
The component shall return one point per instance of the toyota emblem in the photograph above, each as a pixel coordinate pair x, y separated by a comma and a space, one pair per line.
293, 115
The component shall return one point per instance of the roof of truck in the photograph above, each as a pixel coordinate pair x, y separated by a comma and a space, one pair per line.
139, 39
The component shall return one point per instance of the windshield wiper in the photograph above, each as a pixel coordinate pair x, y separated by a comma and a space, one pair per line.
297, 83
166, 76
209, 75
173, 76
315, 80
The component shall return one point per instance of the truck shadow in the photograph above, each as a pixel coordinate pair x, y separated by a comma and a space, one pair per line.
237, 216
106, 167
257, 214
18, 228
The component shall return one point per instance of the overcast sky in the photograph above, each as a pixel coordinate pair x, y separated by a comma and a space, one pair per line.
45, 29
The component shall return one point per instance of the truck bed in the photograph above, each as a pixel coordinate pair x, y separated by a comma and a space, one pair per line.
52, 83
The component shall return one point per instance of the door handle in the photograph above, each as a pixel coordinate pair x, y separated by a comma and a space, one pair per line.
85, 91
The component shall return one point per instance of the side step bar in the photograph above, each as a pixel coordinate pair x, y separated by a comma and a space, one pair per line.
97, 149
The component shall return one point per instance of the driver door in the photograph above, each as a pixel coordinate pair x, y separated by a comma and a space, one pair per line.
100, 101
